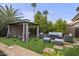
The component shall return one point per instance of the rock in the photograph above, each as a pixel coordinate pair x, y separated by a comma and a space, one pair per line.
48, 50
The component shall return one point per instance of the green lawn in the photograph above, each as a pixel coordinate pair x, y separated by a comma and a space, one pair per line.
72, 51
34, 44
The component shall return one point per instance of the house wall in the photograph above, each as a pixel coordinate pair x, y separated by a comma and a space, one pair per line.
16, 30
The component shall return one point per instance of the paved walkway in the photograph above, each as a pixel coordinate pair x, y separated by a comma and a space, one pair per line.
16, 50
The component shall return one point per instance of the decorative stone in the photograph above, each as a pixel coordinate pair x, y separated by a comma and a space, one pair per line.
48, 50
76, 43
58, 47
68, 46
67, 43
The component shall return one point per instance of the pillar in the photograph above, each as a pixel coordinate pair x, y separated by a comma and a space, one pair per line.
37, 31
24, 32
8, 32
27, 32
25, 35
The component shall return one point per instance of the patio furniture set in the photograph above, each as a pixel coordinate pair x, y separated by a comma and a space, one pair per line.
57, 38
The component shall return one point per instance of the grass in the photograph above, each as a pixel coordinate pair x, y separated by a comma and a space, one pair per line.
34, 44
72, 51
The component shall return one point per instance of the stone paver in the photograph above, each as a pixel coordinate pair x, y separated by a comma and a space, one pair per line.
68, 46
16, 50
76, 43
48, 50
67, 43
58, 47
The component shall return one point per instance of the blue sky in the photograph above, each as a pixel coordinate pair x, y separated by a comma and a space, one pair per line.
66, 11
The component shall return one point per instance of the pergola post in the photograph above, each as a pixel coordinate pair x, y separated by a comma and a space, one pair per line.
25, 35
8, 32
27, 32
24, 32
37, 31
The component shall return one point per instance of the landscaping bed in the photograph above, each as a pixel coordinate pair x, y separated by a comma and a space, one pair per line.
72, 51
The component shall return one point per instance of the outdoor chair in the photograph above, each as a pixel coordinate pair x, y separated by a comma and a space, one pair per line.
68, 38
46, 39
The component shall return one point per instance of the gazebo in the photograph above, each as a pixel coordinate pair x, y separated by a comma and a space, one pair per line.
21, 29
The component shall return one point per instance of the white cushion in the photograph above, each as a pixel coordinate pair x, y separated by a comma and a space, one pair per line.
46, 38
59, 40
55, 33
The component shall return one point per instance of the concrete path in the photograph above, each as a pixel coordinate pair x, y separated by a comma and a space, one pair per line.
16, 50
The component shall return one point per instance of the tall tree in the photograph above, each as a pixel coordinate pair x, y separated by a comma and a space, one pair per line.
45, 12
43, 25
50, 27
34, 7
41, 20
38, 17
7, 14
60, 25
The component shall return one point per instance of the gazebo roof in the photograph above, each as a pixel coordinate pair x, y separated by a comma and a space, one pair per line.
22, 21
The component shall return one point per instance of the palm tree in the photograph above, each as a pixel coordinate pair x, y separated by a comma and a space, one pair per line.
45, 12
9, 14
34, 6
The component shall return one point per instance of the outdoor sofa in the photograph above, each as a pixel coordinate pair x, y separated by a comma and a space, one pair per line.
55, 37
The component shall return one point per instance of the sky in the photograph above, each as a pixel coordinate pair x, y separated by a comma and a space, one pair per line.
66, 11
